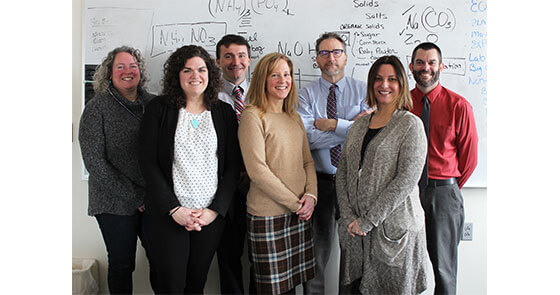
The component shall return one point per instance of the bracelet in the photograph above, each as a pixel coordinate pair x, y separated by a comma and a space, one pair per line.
176, 209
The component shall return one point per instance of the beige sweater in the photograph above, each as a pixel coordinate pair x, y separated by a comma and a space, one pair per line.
277, 157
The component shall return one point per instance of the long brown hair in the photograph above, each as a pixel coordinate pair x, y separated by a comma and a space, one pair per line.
404, 100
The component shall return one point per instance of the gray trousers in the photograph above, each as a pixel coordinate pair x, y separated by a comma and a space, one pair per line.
445, 215
323, 233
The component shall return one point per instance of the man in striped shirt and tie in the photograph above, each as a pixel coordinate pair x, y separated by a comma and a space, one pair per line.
233, 57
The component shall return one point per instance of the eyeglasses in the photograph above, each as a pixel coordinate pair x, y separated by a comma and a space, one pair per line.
335, 52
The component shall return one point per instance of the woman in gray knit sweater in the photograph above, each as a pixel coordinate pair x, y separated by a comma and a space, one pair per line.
381, 226
108, 137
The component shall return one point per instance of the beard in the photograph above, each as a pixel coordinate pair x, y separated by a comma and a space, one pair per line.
418, 78
331, 69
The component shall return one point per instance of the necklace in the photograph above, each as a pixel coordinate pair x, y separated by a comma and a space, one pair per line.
195, 123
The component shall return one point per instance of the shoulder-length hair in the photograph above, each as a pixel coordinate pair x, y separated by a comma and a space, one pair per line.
102, 75
175, 64
258, 95
404, 100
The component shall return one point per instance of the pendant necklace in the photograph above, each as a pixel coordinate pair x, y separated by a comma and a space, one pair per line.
195, 123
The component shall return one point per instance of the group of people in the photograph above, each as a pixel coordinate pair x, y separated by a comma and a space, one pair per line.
214, 162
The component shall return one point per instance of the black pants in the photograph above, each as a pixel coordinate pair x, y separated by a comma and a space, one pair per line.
443, 208
231, 247
351, 289
324, 226
182, 258
120, 234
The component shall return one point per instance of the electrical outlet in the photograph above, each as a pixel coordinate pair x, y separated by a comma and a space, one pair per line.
467, 231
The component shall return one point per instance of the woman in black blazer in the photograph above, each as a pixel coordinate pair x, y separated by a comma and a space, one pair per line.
190, 159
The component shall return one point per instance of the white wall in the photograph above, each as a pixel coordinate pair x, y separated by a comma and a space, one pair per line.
88, 243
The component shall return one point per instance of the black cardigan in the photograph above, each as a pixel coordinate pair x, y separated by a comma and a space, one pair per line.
157, 141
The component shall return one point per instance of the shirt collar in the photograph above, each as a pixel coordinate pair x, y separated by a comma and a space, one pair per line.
432, 95
227, 87
341, 83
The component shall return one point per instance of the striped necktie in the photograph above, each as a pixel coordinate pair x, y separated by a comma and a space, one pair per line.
238, 101
332, 114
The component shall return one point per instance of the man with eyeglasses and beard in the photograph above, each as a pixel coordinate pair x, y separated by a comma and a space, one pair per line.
328, 107
452, 157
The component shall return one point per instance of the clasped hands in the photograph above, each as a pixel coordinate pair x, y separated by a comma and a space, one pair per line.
193, 219
307, 208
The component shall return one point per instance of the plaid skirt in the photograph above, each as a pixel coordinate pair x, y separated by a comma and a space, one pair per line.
280, 252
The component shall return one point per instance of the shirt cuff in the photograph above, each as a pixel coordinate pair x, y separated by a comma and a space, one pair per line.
342, 127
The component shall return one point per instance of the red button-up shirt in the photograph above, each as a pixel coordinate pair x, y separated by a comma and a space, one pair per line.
453, 142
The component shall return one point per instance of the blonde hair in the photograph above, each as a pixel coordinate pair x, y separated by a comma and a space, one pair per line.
257, 95
404, 100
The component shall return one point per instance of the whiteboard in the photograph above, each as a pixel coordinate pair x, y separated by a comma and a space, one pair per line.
370, 28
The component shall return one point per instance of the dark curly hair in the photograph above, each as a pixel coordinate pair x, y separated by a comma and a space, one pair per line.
175, 64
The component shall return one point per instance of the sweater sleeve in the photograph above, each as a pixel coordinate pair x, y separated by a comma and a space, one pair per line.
92, 144
253, 149
347, 215
308, 166
411, 157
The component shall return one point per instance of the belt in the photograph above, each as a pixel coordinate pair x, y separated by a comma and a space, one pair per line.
329, 177
441, 182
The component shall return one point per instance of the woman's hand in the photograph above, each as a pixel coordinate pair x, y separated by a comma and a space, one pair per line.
307, 208
354, 229
186, 217
206, 216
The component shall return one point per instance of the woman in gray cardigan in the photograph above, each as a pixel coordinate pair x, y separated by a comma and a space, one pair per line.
109, 130
381, 226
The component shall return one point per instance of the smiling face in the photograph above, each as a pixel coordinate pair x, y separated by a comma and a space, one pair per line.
426, 68
279, 82
386, 86
125, 75
234, 62
332, 68
194, 77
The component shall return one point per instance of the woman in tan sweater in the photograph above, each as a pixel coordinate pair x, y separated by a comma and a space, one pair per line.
283, 185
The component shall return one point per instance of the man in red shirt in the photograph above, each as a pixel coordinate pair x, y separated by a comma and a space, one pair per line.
452, 157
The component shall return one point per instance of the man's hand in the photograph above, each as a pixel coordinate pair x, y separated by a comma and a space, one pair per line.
325, 124
366, 112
